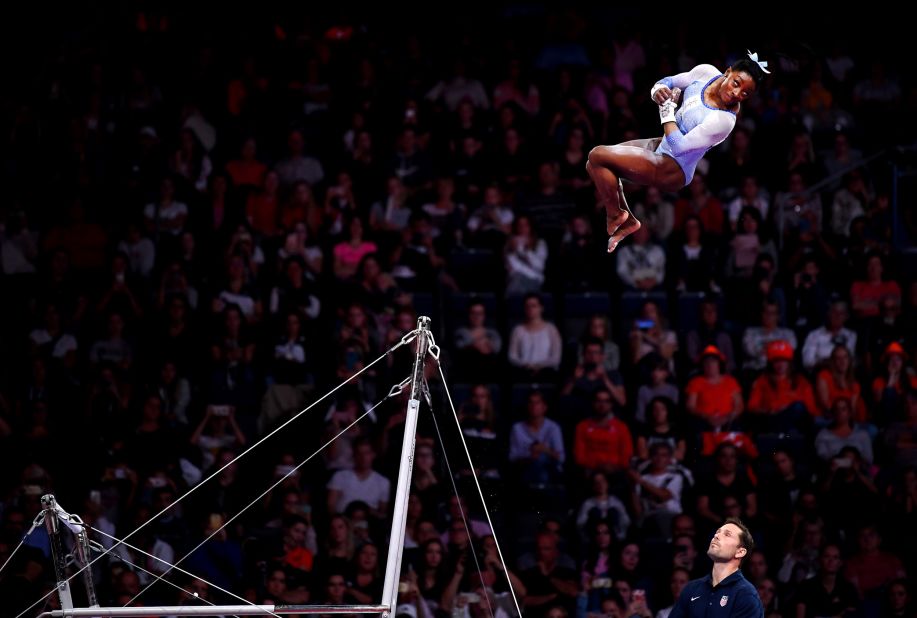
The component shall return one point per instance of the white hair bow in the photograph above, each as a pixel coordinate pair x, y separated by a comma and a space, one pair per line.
760, 63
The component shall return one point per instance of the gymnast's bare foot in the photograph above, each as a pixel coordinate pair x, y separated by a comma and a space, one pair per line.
614, 220
626, 229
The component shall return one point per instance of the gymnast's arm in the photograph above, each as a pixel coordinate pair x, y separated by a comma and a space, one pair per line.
713, 130
662, 90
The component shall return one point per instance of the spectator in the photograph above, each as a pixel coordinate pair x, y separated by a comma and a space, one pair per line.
710, 332
660, 386
361, 483
590, 375
821, 342
692, 262
838, 381
641, 263
782, 400
870, 568
536, 444
756, 339
526, 256
865, 296
547, 582
840, 433
535, 345
713, 398
297, 166
828, 592
478, 345
603, 443
602, 508
728, 480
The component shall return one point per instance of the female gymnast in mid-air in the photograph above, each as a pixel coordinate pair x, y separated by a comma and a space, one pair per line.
709, 103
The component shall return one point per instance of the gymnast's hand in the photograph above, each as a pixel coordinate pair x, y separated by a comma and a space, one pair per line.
664, 93
667, 111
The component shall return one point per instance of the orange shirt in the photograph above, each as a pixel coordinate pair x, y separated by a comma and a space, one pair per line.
878, 385
713, 399
764, 395
852, 391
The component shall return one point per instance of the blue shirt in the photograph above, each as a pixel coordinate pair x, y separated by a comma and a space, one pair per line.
734, 597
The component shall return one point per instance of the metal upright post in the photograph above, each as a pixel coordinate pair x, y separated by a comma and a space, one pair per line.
399, 516
58, 556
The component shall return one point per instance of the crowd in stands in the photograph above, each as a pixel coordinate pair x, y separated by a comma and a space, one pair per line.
207, 227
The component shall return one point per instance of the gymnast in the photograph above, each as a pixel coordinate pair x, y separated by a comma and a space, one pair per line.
710, 101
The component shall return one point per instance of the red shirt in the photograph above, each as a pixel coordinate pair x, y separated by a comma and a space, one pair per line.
602, 443
865, 296
870, 572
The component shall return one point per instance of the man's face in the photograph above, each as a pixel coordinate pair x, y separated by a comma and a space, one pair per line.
725, 544
547, 549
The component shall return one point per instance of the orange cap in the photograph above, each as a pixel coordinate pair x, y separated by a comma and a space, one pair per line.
779, 349
894, 348
712, 350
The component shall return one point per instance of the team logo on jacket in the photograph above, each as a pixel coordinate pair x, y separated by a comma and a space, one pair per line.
724, 600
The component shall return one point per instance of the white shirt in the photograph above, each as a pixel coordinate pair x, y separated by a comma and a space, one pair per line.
65, 343
373, 490
819, 344
166, 213
668, 480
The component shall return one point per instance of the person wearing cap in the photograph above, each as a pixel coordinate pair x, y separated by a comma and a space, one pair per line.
781, 400
714, 398
893, 381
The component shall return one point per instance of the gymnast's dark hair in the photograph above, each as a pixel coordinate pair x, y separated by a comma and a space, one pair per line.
751, 67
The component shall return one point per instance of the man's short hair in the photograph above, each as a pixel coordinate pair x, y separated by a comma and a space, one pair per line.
745, 538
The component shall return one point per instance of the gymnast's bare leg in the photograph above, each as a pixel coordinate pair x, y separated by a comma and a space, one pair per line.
637, 162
